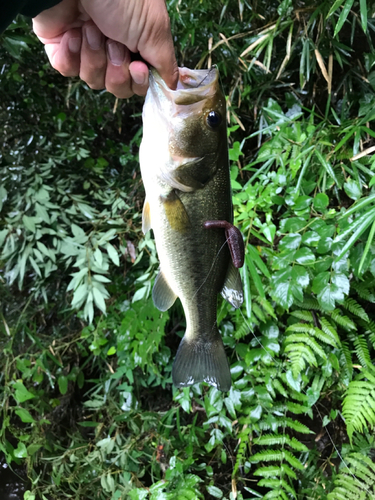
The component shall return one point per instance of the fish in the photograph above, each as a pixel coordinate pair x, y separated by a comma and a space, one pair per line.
188, 205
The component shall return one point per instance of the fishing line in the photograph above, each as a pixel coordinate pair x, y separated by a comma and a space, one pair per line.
281, 368
209, 71
212, 266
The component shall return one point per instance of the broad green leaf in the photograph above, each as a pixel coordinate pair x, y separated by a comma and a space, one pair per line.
353, 189
24, 415
101, 278
21, 393
29, 223
20, 451
99, 299
304, 256
113, 255
215, 492
321, 202
291, 241
63, 384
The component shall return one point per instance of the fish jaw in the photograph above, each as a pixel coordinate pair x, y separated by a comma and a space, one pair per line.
176, 136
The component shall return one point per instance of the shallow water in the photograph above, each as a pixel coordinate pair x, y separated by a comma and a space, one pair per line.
13, 483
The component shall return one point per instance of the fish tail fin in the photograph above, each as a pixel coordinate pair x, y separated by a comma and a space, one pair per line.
202, 361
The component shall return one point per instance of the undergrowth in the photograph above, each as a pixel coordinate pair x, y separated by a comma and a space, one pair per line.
87, 402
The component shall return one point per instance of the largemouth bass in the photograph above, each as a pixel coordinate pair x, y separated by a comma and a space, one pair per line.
185, 171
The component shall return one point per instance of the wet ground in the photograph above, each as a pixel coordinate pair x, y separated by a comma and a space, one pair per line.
13, 483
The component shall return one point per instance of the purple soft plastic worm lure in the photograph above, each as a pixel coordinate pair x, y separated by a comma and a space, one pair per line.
234, 239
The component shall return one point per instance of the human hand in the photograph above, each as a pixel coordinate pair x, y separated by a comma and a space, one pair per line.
93, 39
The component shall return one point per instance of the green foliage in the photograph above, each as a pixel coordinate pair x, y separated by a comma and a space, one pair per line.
87, 402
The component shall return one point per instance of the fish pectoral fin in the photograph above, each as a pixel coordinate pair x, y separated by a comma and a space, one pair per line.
162, 294
232, 290
146, 217
191, 174
202, 361
176, 213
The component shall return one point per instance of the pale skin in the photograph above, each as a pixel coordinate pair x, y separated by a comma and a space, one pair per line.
93, 39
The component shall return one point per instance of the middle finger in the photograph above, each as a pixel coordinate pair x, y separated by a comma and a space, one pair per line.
93, 56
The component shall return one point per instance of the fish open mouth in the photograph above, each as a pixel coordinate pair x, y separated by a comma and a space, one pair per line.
194, 85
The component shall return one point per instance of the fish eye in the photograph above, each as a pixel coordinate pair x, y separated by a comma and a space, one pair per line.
213, 119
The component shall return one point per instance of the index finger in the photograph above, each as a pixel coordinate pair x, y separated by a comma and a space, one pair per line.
158, 49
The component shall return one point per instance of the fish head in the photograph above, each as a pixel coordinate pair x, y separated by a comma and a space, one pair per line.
185, 128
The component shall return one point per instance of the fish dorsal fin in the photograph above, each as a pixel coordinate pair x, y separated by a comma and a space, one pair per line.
146, 217
162, 294
232, 290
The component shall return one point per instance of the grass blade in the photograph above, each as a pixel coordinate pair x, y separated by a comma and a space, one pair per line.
363, 11
344, 14
367, 247
327, 167
359, 231
255, 276
246, 289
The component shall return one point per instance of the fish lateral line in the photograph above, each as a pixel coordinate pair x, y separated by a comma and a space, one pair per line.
234, 239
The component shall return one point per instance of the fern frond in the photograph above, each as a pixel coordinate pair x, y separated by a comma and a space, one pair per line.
362, 350
363, 291
300, 338
279, 387
241, 330
297, 354
276, 495
356, 481
346, 360
275, 471
309, 303
267, 306
328, 329
370, 331
359, 402
303, 315
276, 456
280, 439
243, 441
352, 306
343, 321
277, 483
328, 337
258, 312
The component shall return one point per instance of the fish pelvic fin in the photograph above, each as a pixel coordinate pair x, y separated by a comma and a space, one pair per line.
202, 361
162, 294
146, 217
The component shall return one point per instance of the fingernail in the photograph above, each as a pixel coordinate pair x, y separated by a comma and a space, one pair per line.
139, 78
74, 45
94, 37
116, 53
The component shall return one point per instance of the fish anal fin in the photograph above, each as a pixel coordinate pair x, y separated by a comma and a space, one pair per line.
146, 217
176, 212
232, 290
202, 361
162, 294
